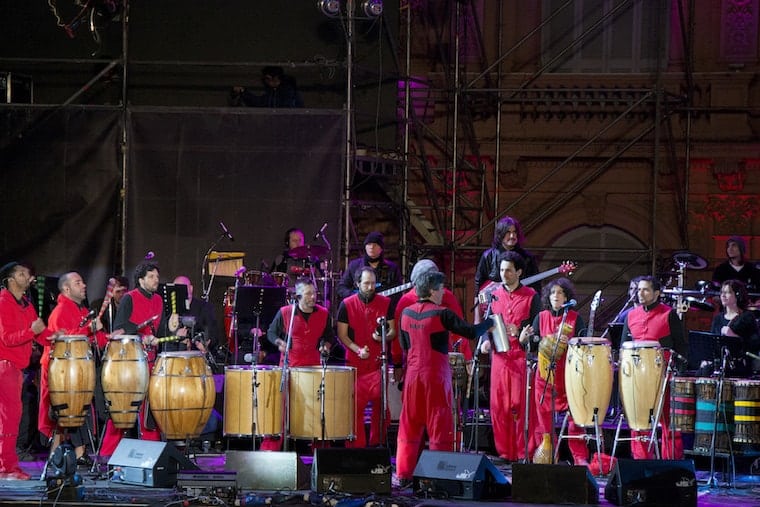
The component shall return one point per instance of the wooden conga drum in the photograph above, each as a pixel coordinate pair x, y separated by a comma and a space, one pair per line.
71, 379
125, 379
181, 394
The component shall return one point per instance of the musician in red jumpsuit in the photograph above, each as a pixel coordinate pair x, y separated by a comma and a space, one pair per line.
312, 336
141, 312
653, 320
518, 305
19, 325
427, 397
554, 296
69, 317
358, 319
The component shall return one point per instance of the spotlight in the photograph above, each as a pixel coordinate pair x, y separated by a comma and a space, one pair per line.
330, 8
372, 8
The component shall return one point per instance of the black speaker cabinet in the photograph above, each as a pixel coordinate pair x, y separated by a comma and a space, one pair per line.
267, 471
357, 471
561, 484
147, 463
459, 475
652, 483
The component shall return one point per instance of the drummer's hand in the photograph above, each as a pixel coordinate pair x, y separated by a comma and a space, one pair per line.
526, 333
200, 346
727, 331
117, 332
363, 353
485, 348
398, 374
281, 345
37, 326
56, 335
149, 340
182, 331
256, 332
98, 325
173, 322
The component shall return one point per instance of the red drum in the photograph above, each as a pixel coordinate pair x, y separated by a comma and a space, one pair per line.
124, 378
642, 370
71, 379
181, 394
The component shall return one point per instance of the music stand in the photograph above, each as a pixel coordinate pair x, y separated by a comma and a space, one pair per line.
180, 292
615, 332
708, 347
259, 300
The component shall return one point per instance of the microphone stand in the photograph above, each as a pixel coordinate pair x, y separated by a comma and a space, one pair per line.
658, 409
551, 373
476, 377
284, 380
254, 384
712, 482
233, 321
326, 271
207, 291
321, 397
384, 381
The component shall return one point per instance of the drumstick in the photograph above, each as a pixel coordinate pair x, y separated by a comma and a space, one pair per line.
107, 298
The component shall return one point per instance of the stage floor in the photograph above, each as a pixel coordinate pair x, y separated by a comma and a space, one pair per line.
96, 489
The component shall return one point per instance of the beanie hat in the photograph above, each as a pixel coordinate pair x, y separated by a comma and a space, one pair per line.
739, 242
422, 266
375, 237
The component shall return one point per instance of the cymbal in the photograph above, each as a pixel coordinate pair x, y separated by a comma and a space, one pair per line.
699, 304
690, 260
308, 252
682, 292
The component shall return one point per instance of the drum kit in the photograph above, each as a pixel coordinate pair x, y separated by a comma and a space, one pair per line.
683, 299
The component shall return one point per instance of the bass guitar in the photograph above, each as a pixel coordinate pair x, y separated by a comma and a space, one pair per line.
592, 314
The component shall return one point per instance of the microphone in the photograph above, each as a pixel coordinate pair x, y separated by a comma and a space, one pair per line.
149, 255
753, 356
226, 231
493, 297
321, 231
248, 358
87, 317
570, 304
678, 356
240, 271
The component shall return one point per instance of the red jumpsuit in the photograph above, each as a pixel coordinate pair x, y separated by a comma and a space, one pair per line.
136, 307
65, 317
548, 322
16, 337
424, 335
310, 330
507, 393
657, 322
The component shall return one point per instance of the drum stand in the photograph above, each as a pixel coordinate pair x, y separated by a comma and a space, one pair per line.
254, 388
383, 383
476, 391
712, 481
321, 398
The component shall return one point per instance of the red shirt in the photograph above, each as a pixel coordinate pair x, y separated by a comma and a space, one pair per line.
16, 334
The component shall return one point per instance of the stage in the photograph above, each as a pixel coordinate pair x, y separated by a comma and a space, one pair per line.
210, 484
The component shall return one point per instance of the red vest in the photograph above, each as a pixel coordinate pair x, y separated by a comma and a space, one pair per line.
304, 349
362, 319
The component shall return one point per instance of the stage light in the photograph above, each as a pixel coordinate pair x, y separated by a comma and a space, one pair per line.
330, 8
372, 8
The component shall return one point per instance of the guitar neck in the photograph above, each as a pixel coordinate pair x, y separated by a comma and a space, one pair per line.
396, 290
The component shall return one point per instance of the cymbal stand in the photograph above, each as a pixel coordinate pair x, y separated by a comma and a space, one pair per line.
285, 379
682, 306
234, 322
712, 481
321, 398
207, 290
552, 374
383, 380
326, 270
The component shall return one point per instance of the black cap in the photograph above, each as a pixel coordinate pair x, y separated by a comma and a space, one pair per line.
5, 272
375, 237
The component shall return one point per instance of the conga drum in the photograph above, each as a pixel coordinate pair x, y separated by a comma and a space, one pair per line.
683, 406
708, 409
238, 401
71, 379
588, 379
339, 400
641, 373
181, 393
747, 416
124, 378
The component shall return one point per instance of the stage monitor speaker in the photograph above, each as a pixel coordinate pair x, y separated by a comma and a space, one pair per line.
652, 483
357, 471
553, 484
267, 471
147, 463
459, 475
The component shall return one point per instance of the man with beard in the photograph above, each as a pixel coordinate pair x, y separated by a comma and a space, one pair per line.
69, 317
387, 272
141, 313
358, 319
19, 325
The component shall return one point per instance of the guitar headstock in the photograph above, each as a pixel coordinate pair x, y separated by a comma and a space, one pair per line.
597, 299
567, 267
